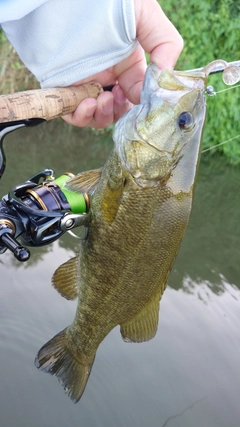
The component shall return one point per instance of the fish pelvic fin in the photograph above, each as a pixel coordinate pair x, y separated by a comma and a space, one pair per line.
143, 326
58, 358
66, 278
85, 182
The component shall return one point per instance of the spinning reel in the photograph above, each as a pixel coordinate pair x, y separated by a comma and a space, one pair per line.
38, 211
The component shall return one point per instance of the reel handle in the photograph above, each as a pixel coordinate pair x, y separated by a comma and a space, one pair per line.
20, 252
45, 104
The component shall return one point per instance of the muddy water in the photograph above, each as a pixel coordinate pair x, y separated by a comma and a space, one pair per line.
188, 375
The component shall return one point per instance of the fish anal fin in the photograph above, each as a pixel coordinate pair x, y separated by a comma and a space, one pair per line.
58, 358
143, 326
85, 182
66, 278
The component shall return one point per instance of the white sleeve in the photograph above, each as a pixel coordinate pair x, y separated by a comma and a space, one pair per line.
63, 41
15, 9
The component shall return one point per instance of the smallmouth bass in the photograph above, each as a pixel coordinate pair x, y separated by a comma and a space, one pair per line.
139, 210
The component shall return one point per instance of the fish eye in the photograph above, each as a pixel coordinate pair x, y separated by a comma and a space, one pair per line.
185, 120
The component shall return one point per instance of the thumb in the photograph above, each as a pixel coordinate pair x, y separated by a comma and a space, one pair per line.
156, 34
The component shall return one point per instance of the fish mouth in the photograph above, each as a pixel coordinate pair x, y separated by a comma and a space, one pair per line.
181, 80
142, 114
141, 138
180, 91
168, 94
188, 101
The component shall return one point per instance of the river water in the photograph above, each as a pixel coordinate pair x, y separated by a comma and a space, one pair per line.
189, 374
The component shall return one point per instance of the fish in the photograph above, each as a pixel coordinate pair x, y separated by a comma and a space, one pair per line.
140, 203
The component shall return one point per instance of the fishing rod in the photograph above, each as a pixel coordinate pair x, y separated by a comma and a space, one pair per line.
41, 209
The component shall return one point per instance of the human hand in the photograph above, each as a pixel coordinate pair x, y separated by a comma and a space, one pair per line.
157, 36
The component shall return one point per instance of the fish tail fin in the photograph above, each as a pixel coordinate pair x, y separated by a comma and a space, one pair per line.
57, 357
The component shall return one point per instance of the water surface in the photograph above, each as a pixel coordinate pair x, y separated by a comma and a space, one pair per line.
188, 375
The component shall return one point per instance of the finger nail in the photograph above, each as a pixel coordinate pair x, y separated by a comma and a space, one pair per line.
90, 110
119, 95
107, 107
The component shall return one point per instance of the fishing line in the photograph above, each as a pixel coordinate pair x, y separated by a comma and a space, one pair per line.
210, 92
228, 88
221, 143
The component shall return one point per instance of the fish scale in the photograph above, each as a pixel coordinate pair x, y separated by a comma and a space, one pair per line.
140, 203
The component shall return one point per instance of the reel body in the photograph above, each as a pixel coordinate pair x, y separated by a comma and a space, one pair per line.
40, 210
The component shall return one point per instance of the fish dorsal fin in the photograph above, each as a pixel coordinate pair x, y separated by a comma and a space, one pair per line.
85, 182
66, 278
143, 326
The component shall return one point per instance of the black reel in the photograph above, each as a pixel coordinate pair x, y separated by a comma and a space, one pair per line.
40, 210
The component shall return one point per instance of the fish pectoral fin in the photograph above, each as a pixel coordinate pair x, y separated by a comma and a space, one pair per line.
143, 326
66, 278
85, 182
59, 357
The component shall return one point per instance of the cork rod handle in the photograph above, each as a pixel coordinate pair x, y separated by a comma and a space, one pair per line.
45, 103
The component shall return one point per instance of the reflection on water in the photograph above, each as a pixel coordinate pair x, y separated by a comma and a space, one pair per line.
188, 374
211, 245
203, 289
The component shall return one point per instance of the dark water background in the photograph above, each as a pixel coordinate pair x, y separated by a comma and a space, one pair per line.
189, 374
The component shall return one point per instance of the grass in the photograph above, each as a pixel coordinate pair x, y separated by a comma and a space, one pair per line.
211, 30
14, 76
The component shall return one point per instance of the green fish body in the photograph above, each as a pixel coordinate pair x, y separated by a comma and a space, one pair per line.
140, 206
